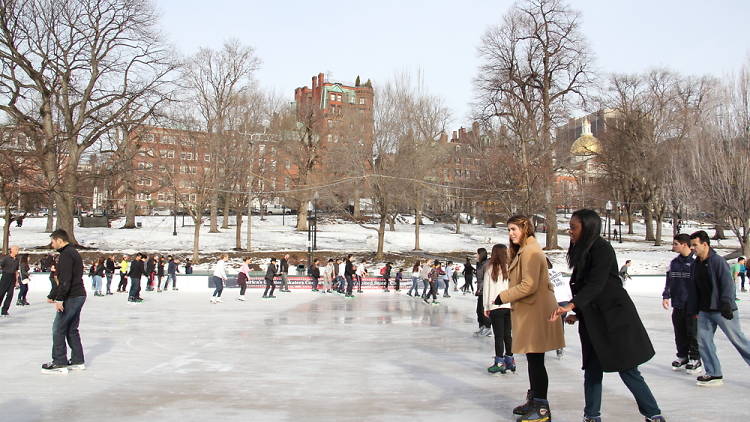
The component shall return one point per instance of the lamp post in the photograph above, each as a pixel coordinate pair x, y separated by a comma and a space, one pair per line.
619, 222
174, 217
312, 228
608, 207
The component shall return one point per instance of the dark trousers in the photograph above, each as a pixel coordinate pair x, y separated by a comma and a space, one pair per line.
172, 277
23, 289
349, 284
386, 283
158, 281
123, 282
500, 319
592, 386
315, 283
7, 284
109, 281
135, 287
243, 287
425, 286
359, 284
433, 290
65, 329
269, 285
538, 379
468, 284
742, 281
481, 319
685, 334
397, 282
219, 286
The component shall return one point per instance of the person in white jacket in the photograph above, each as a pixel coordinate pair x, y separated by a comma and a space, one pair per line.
219, 277
496, 281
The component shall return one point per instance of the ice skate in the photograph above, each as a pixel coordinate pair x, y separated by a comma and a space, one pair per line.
510, 363
498, 367
76, 366
679, 363
709, 381
538, 412
694, 367
52, 368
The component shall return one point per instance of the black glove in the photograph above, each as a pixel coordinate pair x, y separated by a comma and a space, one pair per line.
498, 301
726, 311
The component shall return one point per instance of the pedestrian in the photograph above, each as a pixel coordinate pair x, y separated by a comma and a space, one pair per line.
496, 281
468, 273
349, 275
136, 269
624, 276
433, 277
485, 326
416, 271
68, 298
150, 272
315, 274
715, 303
242, 277
612, 335
738, 270
271, 272
532, 300
386, 273
109, 272
677, 291
124, 270
284, 270
160, 273
455, 278
339, 269
188, 266
219, 278
425, 275
97, 274
448, 277
173, 267
360, 273
23, 280
328, 275
399, 277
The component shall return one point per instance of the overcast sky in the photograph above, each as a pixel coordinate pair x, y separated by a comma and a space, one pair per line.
374, 39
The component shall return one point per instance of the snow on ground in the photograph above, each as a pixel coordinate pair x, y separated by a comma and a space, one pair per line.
308, 357
271, 235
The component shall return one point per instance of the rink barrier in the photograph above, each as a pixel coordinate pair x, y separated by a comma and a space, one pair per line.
641, 285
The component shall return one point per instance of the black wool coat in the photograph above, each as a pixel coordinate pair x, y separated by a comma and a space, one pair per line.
609, 323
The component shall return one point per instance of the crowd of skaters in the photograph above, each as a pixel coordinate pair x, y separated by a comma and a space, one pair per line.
521, 301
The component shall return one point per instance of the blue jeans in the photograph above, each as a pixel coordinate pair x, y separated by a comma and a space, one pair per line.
65, 328
135, 287
707, 323
592, 388
98, 283
340, 281
414, 285
219, 286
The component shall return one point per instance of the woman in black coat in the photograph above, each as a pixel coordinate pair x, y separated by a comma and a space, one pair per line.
613, 338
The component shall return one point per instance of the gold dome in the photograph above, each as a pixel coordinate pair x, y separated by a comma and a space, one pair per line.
586, 144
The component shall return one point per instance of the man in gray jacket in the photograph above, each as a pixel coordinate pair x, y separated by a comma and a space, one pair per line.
714, 293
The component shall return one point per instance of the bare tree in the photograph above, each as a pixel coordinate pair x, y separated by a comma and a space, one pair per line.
536, 59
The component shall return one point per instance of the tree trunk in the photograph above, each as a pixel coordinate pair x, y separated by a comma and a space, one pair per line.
64, 198
249, 223
719, 232
6, 232
302, 216
196, 236
630, 222
225, 222
214, 221
659, 218
357, 211
648, 220
417, 223
238, 232
50, 214
550, 214
458, 222
129, 206
745, 243
381, 237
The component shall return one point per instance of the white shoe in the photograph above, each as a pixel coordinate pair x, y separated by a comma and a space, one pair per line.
242, 298
218, 300
77, 367
213, 300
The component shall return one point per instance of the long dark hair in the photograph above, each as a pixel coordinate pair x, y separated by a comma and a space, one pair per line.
416, 266
499, 261
23, 261
482, 252
591, 227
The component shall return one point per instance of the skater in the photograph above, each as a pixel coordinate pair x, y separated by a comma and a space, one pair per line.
349, 275
715, 296
271, 272
738, 270
188, 266
219, 278
624, 276
136, 269
150, 272
23, 277
416, 271
496, 281
448, 277
468, 276
485, 326
160, 273
109, 272
242, 278
613, 338
425, 275
284, 270
340, 268
124, 269
68, 298
532, 302
386, 273
433, 277
97, 275
677, 289
360, 272
455, 278
329, 275
173, 267
315, 274
399, 277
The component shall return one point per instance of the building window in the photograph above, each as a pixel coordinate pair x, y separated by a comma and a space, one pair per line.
330, 138
338, 98
186, 156
160, 197
333, 97
361, 101
206, 157
287, 164
330, 123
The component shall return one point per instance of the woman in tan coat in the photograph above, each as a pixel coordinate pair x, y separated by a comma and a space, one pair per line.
532, 300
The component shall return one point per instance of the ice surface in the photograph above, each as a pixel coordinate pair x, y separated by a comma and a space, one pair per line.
312, 357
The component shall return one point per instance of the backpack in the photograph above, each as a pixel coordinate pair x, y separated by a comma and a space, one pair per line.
382, 271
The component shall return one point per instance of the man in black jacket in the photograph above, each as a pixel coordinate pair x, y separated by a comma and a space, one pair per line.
349, 275
271, 272
284, 270
136, 272
315, 274
68, 297
9, 279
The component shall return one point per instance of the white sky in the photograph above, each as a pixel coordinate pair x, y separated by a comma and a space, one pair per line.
296, 39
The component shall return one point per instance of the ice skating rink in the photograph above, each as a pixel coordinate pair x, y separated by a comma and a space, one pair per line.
312, 357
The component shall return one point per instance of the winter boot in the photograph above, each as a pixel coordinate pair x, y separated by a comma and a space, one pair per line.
510, 363
539, 412
524, 408
498, 367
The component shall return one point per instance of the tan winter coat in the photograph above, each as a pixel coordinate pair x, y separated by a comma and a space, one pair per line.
532, 298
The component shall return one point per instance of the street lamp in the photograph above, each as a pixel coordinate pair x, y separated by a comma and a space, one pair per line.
174, 217
312, 228
619, 222
608, 207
